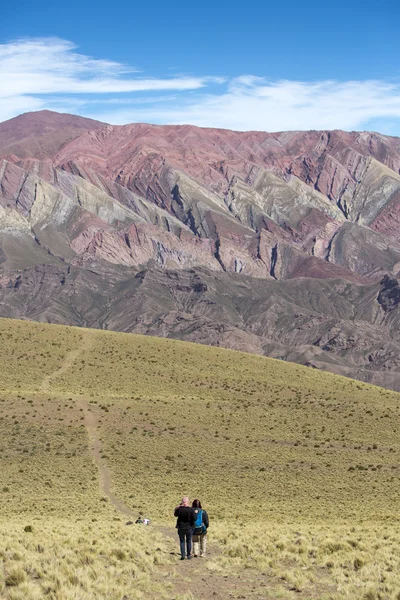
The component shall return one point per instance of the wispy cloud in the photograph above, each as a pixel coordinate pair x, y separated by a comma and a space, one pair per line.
50, 73
32, 70
253, 103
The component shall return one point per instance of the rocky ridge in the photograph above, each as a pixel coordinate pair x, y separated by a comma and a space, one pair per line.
255, 210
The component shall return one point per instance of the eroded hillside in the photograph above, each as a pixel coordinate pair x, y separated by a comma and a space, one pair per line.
301, 227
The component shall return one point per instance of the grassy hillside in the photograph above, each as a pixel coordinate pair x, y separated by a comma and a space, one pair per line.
96, 424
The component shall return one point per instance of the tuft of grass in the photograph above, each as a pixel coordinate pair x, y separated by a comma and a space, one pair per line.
15, 576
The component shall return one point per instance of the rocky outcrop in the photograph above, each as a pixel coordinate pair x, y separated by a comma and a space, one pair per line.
389, 294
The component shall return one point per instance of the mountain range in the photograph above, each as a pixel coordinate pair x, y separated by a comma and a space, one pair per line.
284, 244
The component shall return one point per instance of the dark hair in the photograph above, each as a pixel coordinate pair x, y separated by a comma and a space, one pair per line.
196, 504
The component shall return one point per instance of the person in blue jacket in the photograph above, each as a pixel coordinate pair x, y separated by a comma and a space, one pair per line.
200, 529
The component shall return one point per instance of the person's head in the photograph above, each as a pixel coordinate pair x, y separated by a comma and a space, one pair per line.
196, 504
185, 501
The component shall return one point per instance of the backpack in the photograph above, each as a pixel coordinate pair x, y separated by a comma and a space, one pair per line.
199, 526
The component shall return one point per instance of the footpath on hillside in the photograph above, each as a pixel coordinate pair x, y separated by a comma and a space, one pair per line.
198, 579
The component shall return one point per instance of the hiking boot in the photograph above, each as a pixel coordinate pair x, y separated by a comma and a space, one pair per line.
189, 557
182, 558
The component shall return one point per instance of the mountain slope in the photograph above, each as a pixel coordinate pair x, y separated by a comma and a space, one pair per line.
234, 189
98, 426
108, 211
41, 134
333, 325
145, 383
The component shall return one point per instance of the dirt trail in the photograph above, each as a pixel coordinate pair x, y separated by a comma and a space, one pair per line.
95, 448
199, 579
90, 423
68, 362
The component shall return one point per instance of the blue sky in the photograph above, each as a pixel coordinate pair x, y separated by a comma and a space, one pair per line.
254, 65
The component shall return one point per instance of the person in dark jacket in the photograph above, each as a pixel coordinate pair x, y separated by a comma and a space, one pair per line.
200, 531
185, 524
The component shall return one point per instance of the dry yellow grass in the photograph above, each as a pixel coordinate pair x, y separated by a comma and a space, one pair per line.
66, 560
299, 469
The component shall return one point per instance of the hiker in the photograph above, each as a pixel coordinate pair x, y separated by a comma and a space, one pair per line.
141, 520
185, 524
200, 529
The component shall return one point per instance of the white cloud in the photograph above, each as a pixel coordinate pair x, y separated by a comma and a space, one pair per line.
50, 73
31, 69
252, 103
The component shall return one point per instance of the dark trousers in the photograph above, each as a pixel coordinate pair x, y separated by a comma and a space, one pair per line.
185, 535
